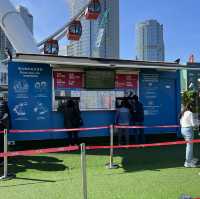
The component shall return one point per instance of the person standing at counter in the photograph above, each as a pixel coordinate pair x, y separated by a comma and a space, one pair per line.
122, 118
4, 123
187, 124
137, 118
72, 119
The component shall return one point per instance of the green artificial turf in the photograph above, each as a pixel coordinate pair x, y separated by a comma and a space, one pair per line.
147, 173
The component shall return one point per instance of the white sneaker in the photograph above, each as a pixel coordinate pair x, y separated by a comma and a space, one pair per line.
195, 160
190, 165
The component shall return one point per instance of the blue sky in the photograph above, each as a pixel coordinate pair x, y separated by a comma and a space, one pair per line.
179, 17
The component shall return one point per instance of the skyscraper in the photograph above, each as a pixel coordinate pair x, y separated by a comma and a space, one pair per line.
149, 41
26, 16
109, 42
4, 42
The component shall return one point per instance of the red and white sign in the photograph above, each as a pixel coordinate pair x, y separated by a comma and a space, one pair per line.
68, 79
126, 81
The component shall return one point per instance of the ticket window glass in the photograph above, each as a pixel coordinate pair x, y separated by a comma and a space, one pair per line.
67, 85
97, 89
60, 101
126, 84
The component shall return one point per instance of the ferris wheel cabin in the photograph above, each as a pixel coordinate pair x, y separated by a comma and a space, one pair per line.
93, 10
51, 47
74, 31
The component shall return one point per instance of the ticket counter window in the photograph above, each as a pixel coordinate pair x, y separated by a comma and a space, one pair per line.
67, 85
95, 89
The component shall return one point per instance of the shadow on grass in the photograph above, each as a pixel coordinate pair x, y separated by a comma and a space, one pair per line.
153, 159
150, 158
34, 181
132, 159
41, 163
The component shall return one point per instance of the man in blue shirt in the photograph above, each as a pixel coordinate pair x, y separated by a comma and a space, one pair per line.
123, 118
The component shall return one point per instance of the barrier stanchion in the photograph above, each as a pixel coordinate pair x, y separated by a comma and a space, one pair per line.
111, 165
6, 175
83, 168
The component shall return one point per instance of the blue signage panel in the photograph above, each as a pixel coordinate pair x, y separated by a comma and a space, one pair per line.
30, 95
159, 96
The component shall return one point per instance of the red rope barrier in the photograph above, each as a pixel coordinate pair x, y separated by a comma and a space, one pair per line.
86, 129
39, 151
142, 145
144, 127
55, 130
75, 148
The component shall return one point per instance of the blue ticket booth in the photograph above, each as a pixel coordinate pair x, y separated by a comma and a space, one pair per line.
38, 83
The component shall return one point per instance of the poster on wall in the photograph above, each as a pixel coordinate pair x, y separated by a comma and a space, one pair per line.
126, 81
29, 95
63, 79
150, 93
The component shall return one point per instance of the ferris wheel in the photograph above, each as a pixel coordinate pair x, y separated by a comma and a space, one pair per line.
23, 41
72, 30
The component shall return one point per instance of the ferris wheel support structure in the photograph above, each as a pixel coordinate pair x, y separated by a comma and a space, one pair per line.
15, 29
60, 33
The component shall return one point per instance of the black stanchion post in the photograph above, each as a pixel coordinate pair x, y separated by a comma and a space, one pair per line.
111, 165
83, 168
6, 175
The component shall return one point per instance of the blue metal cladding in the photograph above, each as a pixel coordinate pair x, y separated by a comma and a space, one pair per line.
30, 95
30, 102
160, 95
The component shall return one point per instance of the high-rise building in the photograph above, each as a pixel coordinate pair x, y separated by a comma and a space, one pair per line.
62, 50
26, 16
149, 41
4, 42
87, 45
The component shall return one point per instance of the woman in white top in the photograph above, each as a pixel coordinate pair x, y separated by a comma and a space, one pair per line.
187, 124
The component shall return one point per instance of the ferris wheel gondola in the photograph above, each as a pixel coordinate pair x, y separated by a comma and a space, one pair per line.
93, 10
51, 47
74, 30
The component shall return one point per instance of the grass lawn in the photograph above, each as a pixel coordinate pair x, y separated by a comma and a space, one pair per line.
147, 173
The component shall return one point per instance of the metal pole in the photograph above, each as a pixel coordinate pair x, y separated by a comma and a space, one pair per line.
5, 151
6, 176
83, 168
111, 145
111, 165
5, 158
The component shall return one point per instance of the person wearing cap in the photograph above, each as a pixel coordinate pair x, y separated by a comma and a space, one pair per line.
4, 122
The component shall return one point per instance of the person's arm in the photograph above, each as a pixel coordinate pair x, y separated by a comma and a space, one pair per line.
191, 119
117, 117
5, 116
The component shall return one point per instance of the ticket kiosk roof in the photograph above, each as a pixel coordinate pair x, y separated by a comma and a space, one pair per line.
85, 62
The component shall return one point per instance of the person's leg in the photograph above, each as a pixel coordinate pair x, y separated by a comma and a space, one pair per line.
189, 150
120, 136
136, 136
141, 134
75, 133
1, 145
126, 134
136, 133
188, 136
70, 138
